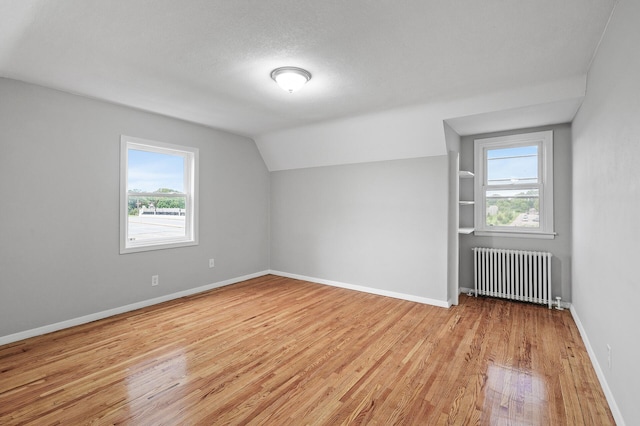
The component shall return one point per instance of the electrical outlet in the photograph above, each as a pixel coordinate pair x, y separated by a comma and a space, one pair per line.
154, 280
212, 263
609, 356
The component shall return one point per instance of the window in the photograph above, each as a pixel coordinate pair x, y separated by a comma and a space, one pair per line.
514, 185
159, 195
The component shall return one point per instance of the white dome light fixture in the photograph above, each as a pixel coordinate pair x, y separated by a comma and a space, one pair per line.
290, 78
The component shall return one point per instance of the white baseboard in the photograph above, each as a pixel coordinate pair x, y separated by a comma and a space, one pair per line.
471, 291
122, 309
617, 415
403, 296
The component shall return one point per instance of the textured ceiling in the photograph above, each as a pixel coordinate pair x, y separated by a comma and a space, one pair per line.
208, 61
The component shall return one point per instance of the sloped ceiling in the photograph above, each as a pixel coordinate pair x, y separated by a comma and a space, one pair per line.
385, 74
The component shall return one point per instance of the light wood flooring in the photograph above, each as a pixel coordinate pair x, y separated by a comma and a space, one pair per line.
277, 351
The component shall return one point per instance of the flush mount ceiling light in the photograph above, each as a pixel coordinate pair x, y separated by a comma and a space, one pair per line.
290, 78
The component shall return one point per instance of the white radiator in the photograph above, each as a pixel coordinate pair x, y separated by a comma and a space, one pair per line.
513, 274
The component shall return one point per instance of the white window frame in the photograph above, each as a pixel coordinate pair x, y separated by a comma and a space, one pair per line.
544, 140
191, 194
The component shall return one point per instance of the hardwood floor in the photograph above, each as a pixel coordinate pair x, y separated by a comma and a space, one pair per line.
279, 351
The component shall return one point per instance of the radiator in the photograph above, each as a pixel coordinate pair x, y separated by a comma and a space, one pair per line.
513, 274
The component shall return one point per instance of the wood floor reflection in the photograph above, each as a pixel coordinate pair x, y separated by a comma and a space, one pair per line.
279, 351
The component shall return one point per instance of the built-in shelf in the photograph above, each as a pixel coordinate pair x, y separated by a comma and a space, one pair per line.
467, 175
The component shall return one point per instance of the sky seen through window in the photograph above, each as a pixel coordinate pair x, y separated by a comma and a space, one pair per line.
149, 171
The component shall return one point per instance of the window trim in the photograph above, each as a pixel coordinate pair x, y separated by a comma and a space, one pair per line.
544, 140
191, 156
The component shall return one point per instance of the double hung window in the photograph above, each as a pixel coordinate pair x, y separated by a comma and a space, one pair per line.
159, 190
514, 185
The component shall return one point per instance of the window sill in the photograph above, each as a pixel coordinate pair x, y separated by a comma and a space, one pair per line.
516, 234
157, 246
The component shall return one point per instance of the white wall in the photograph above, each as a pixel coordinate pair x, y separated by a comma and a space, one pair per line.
380, 225
453, 217
59, 228
606, 194
560, 246
417, 131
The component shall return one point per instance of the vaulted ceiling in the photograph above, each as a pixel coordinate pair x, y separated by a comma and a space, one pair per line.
376, 64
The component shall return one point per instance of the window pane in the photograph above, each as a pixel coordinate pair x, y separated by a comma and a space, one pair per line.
149, 227
159, 195
516, 208
155, 172
512, 165
151, 216
513, 188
